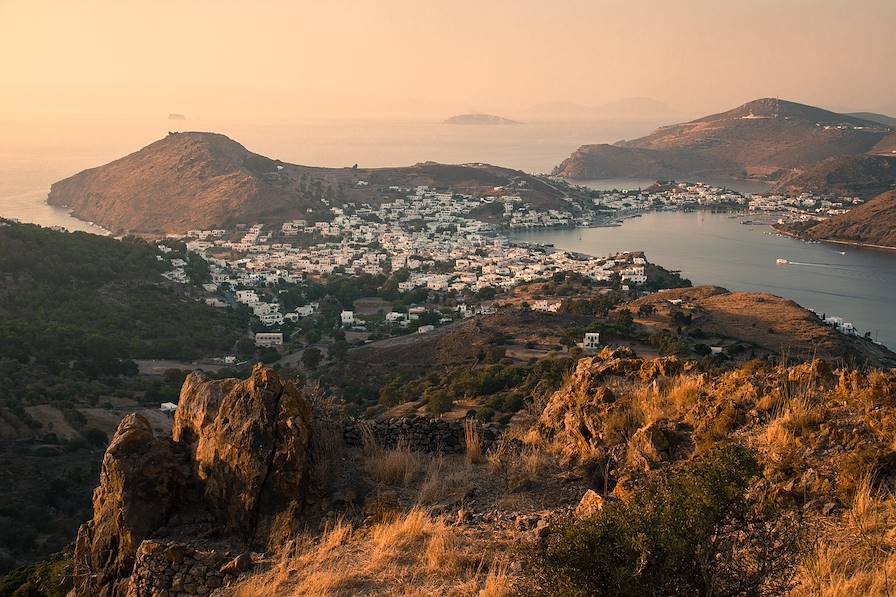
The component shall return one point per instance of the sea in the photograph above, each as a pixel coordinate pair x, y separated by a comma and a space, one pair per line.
855, 283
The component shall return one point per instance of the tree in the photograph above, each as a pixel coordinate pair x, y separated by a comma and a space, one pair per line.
646, 310
311, 358
696, 530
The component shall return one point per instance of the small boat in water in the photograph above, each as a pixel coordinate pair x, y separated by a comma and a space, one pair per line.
780, 261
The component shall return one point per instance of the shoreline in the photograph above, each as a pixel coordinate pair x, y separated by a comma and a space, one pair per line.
851, 243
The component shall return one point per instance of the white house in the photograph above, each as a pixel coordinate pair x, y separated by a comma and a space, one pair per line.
272, 318
348, 317
269, 339
425, 328
591, 340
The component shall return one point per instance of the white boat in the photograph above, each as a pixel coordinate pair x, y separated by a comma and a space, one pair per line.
780, 261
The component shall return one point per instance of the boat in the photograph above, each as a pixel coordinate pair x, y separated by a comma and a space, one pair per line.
842, 252
780, 261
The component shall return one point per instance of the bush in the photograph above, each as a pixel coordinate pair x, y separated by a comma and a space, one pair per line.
693, 531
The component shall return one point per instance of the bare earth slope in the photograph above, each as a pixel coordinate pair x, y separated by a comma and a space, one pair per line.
861, 175
763, 138
874, 223
183, 181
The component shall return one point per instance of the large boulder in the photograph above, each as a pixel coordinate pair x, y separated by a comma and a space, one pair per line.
248, 443
238, 456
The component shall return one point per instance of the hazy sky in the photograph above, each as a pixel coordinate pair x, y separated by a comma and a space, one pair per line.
285, 60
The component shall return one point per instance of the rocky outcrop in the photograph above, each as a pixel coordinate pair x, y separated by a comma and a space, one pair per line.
577, 411
247, 442
233, 476
139, 487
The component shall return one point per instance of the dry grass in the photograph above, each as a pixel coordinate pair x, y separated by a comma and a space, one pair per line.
396, 466
858, 553
389, 466
471, 441
443, 480
410, 554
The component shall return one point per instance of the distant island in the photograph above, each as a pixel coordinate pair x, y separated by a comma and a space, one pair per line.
479, 119
175, 116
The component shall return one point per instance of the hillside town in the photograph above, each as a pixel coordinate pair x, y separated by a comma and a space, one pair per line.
437, 241
430, 237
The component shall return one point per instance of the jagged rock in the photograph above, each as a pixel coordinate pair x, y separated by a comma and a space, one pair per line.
237, 565
590, 504
238, 457
138, 489
248, 441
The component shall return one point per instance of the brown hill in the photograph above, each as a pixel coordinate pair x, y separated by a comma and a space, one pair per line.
873, 223
768, 324
886, 146
862, 175
201, 180
183, 181
764, 138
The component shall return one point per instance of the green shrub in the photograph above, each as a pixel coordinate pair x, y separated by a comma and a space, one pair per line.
693, 531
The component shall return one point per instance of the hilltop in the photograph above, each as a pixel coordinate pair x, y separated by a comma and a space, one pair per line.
479, 119
765, 138
206, 180
873, 223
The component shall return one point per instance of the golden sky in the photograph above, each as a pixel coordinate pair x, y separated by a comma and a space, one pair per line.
338, 58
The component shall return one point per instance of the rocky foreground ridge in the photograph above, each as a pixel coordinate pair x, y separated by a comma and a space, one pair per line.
233, 503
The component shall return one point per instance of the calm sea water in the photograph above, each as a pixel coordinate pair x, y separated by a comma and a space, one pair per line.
708, 248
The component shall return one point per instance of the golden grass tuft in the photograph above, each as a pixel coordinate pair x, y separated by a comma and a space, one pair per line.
409, 554
857, 555
472, 442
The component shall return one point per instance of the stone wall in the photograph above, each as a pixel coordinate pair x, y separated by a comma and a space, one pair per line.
168, 569
420, 434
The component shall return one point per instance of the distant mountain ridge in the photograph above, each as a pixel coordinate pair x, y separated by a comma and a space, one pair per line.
479, 119
765, 139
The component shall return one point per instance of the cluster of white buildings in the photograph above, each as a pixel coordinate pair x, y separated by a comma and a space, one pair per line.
432, 235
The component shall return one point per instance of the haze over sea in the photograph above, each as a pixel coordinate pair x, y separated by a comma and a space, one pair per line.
707, 248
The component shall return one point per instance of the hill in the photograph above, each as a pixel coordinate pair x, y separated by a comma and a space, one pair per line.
765, 138
874, 117
873, 223
478, 119
206, 180
861, 175
886, 146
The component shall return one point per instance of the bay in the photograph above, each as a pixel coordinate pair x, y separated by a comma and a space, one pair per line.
855, 283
